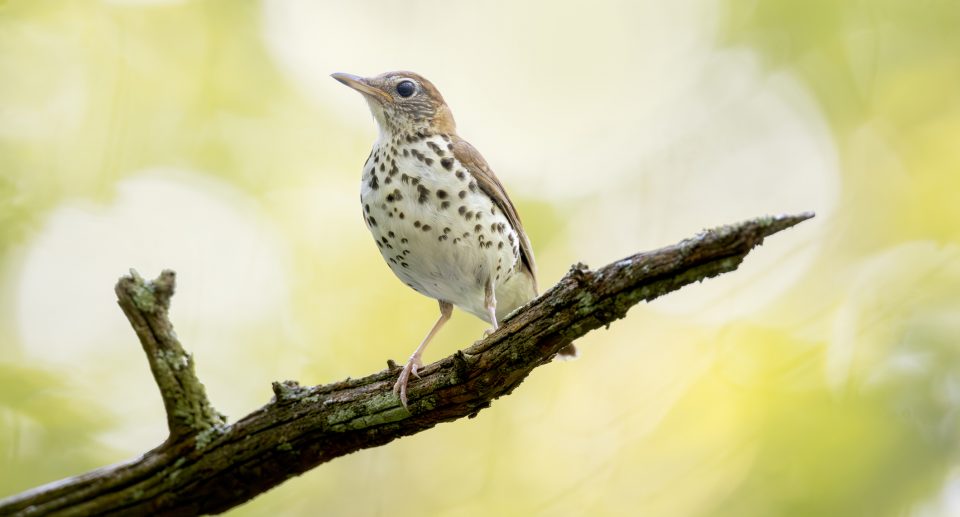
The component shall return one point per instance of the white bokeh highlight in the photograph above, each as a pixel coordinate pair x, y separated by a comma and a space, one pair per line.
231, 270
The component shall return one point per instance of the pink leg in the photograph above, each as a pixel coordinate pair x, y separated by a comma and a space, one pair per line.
490, 302
415, 362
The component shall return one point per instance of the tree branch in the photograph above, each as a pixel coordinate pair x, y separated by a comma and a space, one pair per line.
146, 304
208, 467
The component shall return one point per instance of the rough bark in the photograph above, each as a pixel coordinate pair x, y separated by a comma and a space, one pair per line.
207, 466
184, 398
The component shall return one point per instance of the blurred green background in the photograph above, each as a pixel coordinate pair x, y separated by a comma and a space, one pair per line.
823, 378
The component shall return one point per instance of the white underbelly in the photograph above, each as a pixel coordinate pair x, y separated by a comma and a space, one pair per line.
444, 244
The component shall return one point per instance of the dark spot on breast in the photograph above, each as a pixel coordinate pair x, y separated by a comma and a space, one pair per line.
468, 215
390, 198
435, 148
447, 163
444, 205
384, 239
376, 157
441, 237
404, 264
499, 247
404, 178
462, 210
473, 186
366, 208
379, 244
461, 175
477, 228
392, 261
416, 224
403, 240
426, 228
374, 183
422, 157
442, 194
400, 215
387, 180
415, 180
391, 234
382, 167
372, 221
406, 152
462, 194
423, 194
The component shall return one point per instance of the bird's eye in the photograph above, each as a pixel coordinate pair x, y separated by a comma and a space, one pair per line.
406, 88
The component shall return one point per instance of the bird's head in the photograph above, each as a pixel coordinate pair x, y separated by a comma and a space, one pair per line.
403, 102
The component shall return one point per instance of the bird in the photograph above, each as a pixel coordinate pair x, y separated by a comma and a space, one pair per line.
440, 217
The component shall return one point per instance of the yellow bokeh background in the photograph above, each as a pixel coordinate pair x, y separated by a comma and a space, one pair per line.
822, 378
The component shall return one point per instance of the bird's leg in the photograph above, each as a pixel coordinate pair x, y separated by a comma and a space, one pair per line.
414, 363
490, 302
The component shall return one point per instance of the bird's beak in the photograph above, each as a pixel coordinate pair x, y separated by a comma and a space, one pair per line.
362, 85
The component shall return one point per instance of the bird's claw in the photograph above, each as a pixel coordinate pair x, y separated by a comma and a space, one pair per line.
400, 387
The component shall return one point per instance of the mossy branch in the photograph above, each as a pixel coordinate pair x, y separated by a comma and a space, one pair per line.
146, 304
207, 466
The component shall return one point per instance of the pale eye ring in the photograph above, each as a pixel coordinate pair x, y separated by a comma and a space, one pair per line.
406, 88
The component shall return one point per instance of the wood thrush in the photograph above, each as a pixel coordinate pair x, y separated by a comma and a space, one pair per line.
441, 218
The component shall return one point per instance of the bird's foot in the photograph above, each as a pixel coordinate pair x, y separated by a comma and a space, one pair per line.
491, 330
400, 387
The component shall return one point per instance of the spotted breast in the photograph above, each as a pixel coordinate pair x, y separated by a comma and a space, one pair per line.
437, 229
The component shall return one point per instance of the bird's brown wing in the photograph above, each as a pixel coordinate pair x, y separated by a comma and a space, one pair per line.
471, 159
